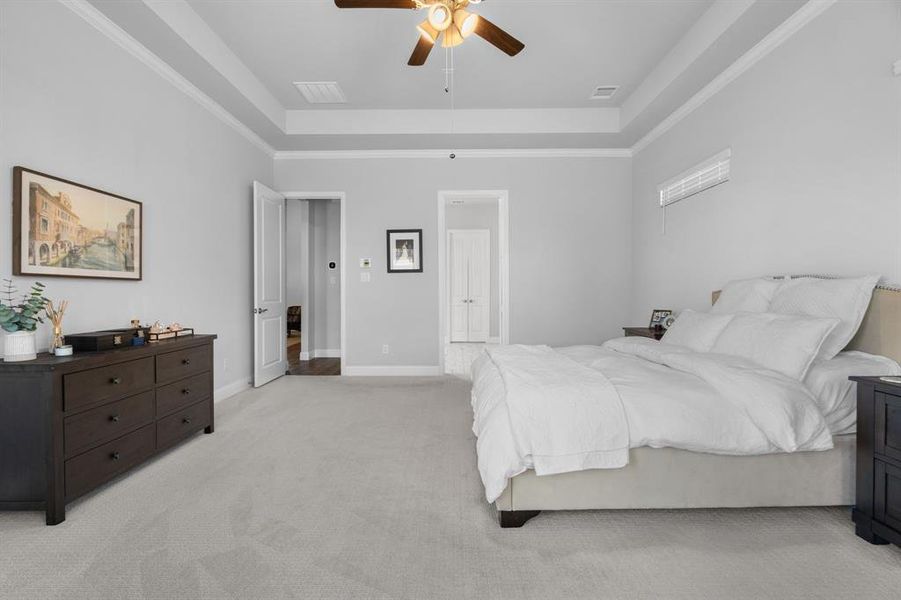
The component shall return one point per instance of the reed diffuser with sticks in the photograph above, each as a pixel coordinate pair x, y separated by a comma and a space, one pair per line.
55, 314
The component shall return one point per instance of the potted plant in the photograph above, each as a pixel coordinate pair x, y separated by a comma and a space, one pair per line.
19, 321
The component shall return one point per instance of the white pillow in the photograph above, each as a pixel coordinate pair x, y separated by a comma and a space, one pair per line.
696, 330
843, 299
746, 295
784, 343
836, 396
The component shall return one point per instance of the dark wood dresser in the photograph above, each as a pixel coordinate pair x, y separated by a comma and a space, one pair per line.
69, 424
877, 507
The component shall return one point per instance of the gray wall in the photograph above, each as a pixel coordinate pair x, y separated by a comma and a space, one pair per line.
814, 130
325, 289
297, 214
570, 245
76, 105
480, 215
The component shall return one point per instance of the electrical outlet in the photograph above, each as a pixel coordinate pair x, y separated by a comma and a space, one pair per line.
224, 365
385, 349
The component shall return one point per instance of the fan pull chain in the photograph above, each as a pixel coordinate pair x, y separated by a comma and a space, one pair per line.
449, 87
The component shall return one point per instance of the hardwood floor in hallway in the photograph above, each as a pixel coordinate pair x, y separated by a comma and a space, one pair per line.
316, 366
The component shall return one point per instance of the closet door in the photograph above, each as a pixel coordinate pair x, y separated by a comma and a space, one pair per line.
458, 254
479, 285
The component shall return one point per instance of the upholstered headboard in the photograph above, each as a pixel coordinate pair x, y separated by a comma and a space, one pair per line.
880, 332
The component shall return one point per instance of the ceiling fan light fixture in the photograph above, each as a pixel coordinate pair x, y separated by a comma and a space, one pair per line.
428, 32
465, 21
452, 37
440, 17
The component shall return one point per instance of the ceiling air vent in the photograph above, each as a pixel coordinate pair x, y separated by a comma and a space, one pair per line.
321, 92
604, 92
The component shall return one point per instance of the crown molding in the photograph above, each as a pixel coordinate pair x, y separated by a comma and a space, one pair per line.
705, 32
447, 121
104, 25
444, 154
773, 40
190, 27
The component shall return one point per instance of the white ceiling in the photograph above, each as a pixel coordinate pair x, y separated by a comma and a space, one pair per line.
571, 46
245, 55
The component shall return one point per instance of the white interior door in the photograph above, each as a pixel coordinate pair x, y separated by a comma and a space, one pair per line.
469, 253
270, 305
479, 285
459, 285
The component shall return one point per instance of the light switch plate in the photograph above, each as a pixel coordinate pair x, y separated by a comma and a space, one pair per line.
365, 263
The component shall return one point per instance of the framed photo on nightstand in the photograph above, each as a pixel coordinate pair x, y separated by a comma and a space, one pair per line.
658, 316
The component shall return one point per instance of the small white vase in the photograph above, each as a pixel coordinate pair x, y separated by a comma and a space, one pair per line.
19, 346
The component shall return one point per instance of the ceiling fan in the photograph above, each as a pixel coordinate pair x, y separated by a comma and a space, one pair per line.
447, 19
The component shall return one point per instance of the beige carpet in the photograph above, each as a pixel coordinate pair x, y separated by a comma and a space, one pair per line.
367, 488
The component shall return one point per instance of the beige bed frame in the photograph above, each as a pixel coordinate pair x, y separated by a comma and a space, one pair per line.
671, 478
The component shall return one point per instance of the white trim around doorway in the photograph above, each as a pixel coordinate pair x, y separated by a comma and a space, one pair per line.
340, 197
503, 244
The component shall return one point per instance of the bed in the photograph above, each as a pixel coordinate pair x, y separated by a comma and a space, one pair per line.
667, 477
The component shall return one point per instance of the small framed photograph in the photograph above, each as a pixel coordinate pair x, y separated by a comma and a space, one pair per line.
658, 316
405, 250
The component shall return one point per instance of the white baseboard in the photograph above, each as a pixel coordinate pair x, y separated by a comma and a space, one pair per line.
229, 390
393, 371
304, 356
328, 353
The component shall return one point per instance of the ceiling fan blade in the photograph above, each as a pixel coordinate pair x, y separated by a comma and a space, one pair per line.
375, 3
497, 37
421, 51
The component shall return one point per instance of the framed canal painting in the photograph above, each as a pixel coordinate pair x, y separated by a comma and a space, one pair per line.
62, 228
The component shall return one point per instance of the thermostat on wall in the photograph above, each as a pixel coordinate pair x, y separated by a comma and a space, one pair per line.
365, 263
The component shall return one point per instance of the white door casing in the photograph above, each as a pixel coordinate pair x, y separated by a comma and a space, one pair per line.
270, 303
469, 253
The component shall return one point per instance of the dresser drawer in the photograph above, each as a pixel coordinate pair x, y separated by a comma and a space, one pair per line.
887, 495
179, 364
88, 470
888, 425
107, 422
182, 393
183, 423
95, 386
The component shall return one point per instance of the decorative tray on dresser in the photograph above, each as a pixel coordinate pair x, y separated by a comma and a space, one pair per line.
70, 424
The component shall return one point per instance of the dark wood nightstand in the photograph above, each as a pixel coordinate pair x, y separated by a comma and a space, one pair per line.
877, 507
654, 334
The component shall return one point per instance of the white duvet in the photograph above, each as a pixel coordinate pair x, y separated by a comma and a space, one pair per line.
670, 397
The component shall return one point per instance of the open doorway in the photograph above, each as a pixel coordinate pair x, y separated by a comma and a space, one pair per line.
473, 275
313, 334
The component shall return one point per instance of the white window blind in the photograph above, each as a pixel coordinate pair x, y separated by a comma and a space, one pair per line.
711, 172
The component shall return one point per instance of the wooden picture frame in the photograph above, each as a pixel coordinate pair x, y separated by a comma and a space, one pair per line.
658, 316
66, 229
404, 250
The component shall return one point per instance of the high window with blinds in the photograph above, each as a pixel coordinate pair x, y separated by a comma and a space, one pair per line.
711, 172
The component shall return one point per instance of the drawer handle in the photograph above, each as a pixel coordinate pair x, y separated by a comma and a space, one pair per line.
186, 420
186, 361
186, 392
116, 380
114, 456
114, 418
